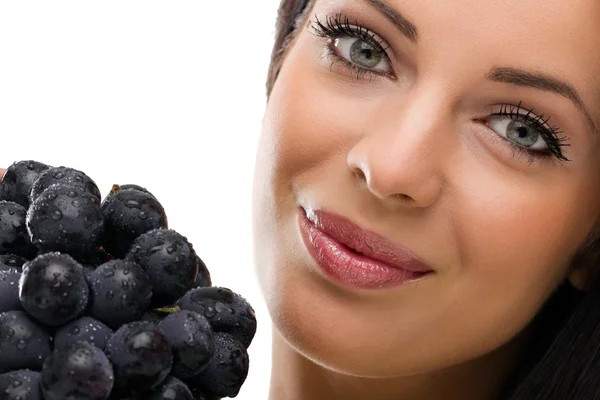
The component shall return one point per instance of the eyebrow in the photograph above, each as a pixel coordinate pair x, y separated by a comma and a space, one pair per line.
541, 82
406, 27
497, 74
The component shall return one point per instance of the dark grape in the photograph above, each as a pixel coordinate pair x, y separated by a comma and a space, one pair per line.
87, 269
66, 219
141, 356
153, 316
170, 389
227, 370
170, 262
18, 179
199, 395
9, 291
226, 311
12, 262
81, 372
14, 238
65, 176
23, 342
23, 384
120, 292
126, 304
203, 278
192, 340
128, 214
130, 186
53, 289
84, 329
88, 262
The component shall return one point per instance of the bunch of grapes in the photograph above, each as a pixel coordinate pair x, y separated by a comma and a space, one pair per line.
99, 299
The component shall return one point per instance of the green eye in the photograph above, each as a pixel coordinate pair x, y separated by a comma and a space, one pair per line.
519, 132
522, 134
359, 49
364, 54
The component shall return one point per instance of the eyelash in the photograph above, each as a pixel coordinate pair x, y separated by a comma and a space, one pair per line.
549, 133
338, 26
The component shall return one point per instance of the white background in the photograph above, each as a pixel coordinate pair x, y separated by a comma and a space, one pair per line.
168, 95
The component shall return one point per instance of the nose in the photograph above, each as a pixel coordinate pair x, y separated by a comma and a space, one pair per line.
401, 158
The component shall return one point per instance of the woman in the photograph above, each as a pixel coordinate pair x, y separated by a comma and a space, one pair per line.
427, 200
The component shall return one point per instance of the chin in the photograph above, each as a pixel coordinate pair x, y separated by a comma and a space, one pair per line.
331, 332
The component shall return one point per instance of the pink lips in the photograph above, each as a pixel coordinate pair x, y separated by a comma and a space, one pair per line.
357, 257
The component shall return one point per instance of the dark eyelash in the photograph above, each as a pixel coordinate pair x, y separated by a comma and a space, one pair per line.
337, 26
549, 133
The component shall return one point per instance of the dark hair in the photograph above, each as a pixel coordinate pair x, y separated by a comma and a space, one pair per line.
290, 16
562, 360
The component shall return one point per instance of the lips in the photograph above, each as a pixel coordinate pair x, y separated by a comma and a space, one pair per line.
368, 244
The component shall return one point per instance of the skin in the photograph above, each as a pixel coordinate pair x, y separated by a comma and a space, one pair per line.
412, 159
416, 159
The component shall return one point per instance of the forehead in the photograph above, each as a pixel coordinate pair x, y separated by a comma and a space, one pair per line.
576, 16
555, 36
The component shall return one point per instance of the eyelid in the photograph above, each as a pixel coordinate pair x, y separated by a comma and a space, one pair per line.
372, 37
339, 47
533, 116
359, 29
551, 134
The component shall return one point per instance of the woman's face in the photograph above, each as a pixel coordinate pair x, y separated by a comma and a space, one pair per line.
449, 138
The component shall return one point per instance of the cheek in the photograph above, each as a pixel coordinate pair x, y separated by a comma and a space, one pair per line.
516, 239
312, 118
309, 125
533, 229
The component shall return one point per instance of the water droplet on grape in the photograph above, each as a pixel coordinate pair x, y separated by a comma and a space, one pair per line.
210, 312
56, 215
108, 273
132, 203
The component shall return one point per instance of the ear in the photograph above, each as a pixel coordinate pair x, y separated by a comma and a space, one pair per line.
585, 268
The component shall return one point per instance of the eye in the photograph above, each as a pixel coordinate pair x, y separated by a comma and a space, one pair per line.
358, 49
362, 53
520, 133
527, 132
